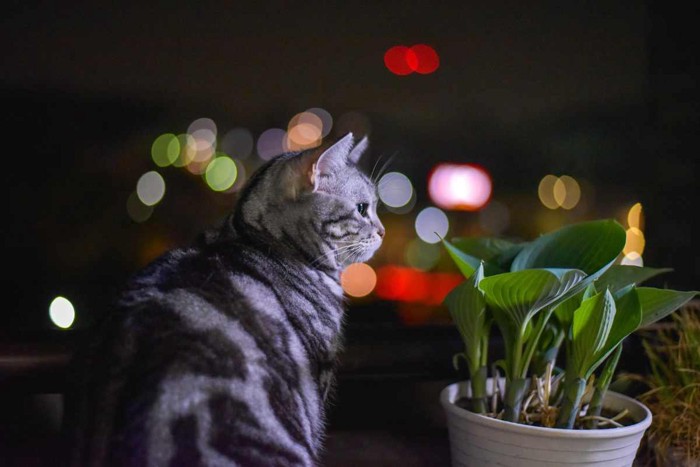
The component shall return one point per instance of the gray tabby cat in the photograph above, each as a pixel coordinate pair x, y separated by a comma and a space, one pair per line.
223, 353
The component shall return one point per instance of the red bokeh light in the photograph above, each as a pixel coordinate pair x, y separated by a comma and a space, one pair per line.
396, 61
412, 285
427, 60
402, 60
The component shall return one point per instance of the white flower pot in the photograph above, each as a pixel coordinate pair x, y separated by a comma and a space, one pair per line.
478, 440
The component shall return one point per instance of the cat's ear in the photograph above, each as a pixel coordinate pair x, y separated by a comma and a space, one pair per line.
358, 150
331, 161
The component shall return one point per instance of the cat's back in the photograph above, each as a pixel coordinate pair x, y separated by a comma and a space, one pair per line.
204, 357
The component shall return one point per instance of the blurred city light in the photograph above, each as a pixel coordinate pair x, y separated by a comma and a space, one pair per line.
204, 131
635, 216
431, 225
221, 173
150, 188
271, 143
427, 59
138, 212
326, 120
395, 189
238, 143
358, 279
304, 131
559, 192
412, 285
635, 241
165, 150
402, 60
632, 259
188, 150
464, 187
62, 312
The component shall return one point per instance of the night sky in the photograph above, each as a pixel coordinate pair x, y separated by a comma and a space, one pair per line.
606, 93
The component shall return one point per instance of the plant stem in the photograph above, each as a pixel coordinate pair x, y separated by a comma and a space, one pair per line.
573, 392
532, 343
513, 402
602, 385
478, 384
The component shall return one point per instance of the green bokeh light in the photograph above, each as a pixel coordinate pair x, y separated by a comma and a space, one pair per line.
165, 149
221, 173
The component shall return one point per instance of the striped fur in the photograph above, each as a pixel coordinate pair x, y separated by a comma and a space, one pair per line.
222, 353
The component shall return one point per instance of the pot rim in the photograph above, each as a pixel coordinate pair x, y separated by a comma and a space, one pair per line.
449, 393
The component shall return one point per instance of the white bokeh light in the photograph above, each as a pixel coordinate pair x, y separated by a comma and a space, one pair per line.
459, 186
61, 312
431, 225
150, 188
395, 189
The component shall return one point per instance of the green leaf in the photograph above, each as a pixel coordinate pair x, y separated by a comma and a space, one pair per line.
588, 246
628, 315
467, 264
468, 310
515, 296
485, 248
618, 276
591, 326
658, 303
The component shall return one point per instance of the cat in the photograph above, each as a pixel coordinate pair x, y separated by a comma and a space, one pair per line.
223, 353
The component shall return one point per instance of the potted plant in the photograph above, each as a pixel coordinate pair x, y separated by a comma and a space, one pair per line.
673, 351
560, 291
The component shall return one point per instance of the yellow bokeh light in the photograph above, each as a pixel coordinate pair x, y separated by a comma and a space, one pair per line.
635, 241
138, 212
545, 191
358, 279
304, 131
572, 192
559, 192
221, 173
632, 259
188, 150
635, 216
165, 149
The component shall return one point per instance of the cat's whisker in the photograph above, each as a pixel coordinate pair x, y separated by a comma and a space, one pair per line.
384, 167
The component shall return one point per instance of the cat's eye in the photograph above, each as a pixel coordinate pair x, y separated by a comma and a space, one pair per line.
362, 208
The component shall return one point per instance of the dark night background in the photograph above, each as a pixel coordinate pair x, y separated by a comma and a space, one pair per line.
605, 92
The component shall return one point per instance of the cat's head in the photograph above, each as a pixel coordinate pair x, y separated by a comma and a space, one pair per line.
316, 204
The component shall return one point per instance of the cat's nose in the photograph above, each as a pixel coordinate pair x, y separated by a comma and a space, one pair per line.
380, 232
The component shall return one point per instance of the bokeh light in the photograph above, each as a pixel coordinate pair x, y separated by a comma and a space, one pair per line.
150, 188
465, 187
427, 59
62, 312
635, 217
188, 150
402, 60
271, 143
138, 212
221, 173
431, 225
422, 255
559, 192
304, 131
635, 241
545, 191
397, 58
326, 120
204, 131
358, 279
395, 189
632, 259
238, 143
165, 150
240, 177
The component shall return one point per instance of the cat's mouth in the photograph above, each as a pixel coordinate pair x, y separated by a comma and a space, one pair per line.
360, 251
